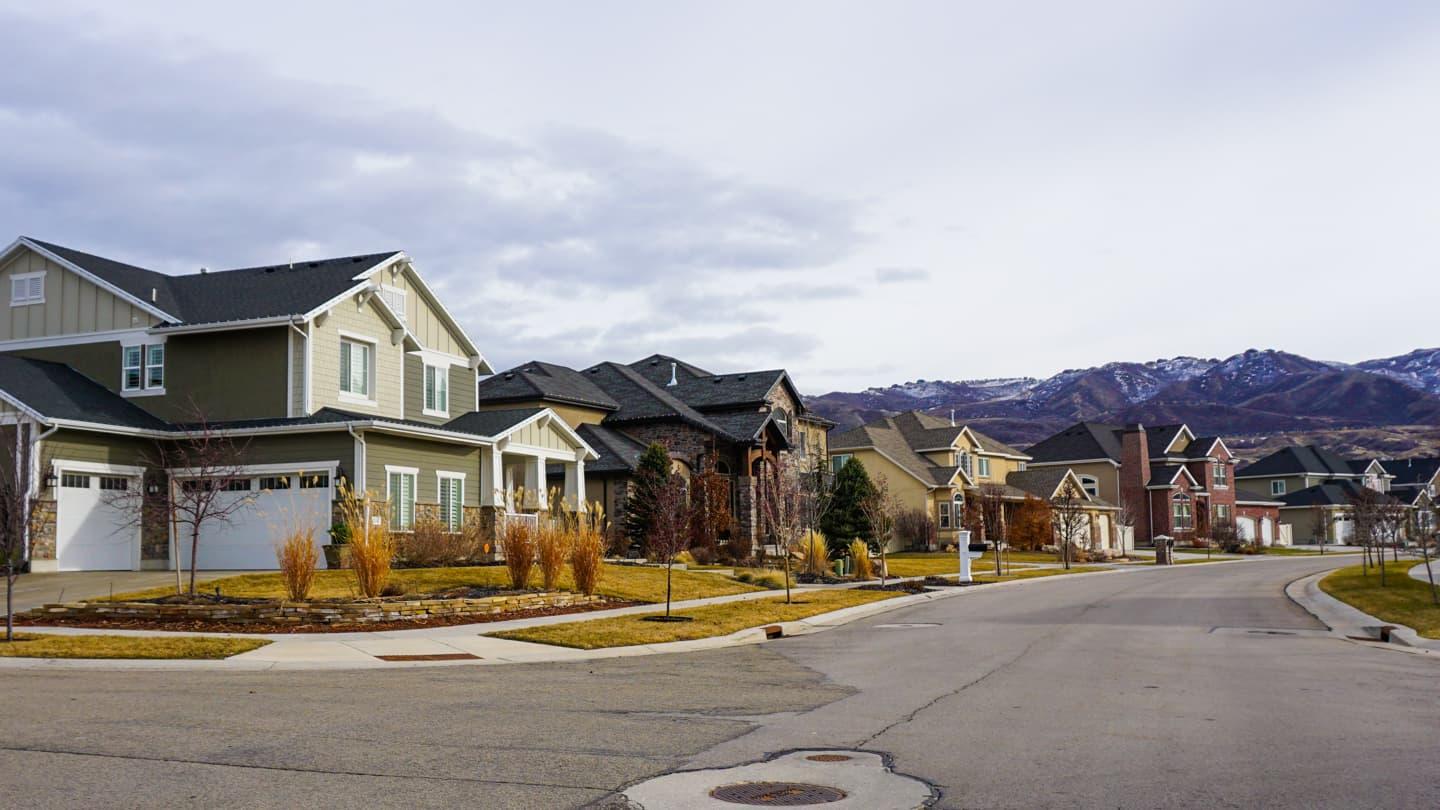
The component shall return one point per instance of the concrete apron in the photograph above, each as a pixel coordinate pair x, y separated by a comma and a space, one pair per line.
469, 648
1351, 623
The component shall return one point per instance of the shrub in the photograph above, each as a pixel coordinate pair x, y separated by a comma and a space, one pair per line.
860, 554
297, 558
431, 544
517, 543
702, 555
915, 529
814, 554
372, 550
588, 549
685, 557
552, 547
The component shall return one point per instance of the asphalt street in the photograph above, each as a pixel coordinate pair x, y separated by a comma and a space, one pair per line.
1193, 686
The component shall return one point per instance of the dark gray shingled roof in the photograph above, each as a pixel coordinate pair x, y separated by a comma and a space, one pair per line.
1040, 482
656, 369
1082, 440
618, 453
230, 295
1251, 496
1332, 493
1412, 470
536, 380
489, 423
1297, 460
1157, 438
747, 425
1161, 474
57, 391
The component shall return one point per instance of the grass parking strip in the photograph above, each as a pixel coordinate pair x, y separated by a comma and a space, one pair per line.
45, 645
1403, 600
708, 621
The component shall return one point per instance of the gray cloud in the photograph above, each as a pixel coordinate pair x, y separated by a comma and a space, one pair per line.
175, 162
901, 275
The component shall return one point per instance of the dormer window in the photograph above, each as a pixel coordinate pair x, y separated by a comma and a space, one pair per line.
27, 288
782, 421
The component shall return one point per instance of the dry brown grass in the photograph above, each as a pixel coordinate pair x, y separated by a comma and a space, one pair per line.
44, 645
372, 547
587, 552
431, 544
552, 546
860, 554
298, 558
517, 543
814, 554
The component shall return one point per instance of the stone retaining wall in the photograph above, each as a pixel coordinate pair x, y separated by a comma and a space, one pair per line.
313, 612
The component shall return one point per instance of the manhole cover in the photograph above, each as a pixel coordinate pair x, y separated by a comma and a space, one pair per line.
829, 758
777, 794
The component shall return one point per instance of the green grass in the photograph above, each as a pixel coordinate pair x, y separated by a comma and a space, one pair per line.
629, 582
45, 645
710, 620
1403, 600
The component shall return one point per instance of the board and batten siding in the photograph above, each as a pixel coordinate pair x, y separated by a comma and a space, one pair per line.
325, 360
535, 435
72, 304
429, 457
424, 320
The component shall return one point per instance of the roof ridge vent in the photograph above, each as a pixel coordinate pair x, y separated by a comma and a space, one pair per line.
154, 294
673, 381
204, 270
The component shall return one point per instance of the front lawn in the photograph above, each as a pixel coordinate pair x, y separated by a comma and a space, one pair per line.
710, 620
46, 645
1403, 600
630, 583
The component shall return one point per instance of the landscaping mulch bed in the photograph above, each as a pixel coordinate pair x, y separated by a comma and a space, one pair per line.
919, 585
120, 623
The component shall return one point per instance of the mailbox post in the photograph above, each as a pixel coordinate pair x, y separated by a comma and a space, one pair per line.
968, 551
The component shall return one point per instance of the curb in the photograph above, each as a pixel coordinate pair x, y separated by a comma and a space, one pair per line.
530, 652
1350, 623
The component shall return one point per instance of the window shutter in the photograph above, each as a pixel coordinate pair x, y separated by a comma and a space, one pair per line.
37, 287
344, 366
365, 370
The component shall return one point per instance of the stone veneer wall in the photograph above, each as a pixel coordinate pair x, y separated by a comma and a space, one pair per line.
313, 612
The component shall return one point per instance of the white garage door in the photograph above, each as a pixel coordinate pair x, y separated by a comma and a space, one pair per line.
276, 504
93, 530
1267, 531
1245, 528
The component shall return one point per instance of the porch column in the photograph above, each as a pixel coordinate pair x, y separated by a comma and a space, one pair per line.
575, 484
535, 482
492, 478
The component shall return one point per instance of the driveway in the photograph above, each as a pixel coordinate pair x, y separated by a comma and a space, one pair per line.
34, 590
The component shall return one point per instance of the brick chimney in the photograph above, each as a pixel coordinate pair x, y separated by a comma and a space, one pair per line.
1134, 475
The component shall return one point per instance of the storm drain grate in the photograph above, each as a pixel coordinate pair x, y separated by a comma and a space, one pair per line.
829, 758
431, 657
777, 794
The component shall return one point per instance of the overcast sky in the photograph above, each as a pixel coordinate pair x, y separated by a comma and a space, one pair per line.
862, 193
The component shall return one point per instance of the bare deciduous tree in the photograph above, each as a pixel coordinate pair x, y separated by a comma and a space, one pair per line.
710, 516
782, 505
1429, 532
881, 508
1366, 515
668, 533
1125, 519
991, 503
1069, 520
1321, 526
22, 514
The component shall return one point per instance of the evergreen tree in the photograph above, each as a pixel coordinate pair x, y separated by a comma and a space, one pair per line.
845, 520
651, 474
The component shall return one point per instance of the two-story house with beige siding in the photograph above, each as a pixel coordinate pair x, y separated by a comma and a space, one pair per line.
936, 466
345, 372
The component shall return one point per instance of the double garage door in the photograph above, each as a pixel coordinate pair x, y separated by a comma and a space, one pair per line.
94, 530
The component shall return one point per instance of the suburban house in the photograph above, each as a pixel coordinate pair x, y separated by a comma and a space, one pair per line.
344, 373
1311, 482
933, 465
1414, 483
1172, 482
739, 422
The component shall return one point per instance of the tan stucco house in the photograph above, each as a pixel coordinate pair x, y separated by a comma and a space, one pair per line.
337, 372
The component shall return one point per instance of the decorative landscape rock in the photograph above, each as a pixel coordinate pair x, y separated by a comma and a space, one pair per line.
312, 612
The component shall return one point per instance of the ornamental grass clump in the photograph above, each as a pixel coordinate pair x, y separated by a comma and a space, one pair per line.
587, 551
372, 546
517, 543
860, 557
297, 558
552, 547
814, 554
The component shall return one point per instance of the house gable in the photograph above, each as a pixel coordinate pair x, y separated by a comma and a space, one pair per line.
72, 304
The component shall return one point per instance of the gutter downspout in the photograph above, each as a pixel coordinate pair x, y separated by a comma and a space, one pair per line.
358, 483
33, 490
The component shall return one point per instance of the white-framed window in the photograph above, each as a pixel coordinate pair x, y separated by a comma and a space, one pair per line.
1222, 513
1180, 512
801, 443
452, 499
274, 482
965, 463
782, 420
1091, 485
357, 369
437, 390
394, 298
838, 462
943, 517
400, 492
142, 367
1020, 466
983, 466
27, 289
1277, 487
1222, 474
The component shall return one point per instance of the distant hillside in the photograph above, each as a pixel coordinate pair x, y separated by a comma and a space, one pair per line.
1252, 394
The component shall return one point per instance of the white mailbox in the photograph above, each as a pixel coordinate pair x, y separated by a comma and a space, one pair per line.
968, 551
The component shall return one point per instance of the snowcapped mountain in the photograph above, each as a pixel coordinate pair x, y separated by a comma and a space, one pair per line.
1254, 391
